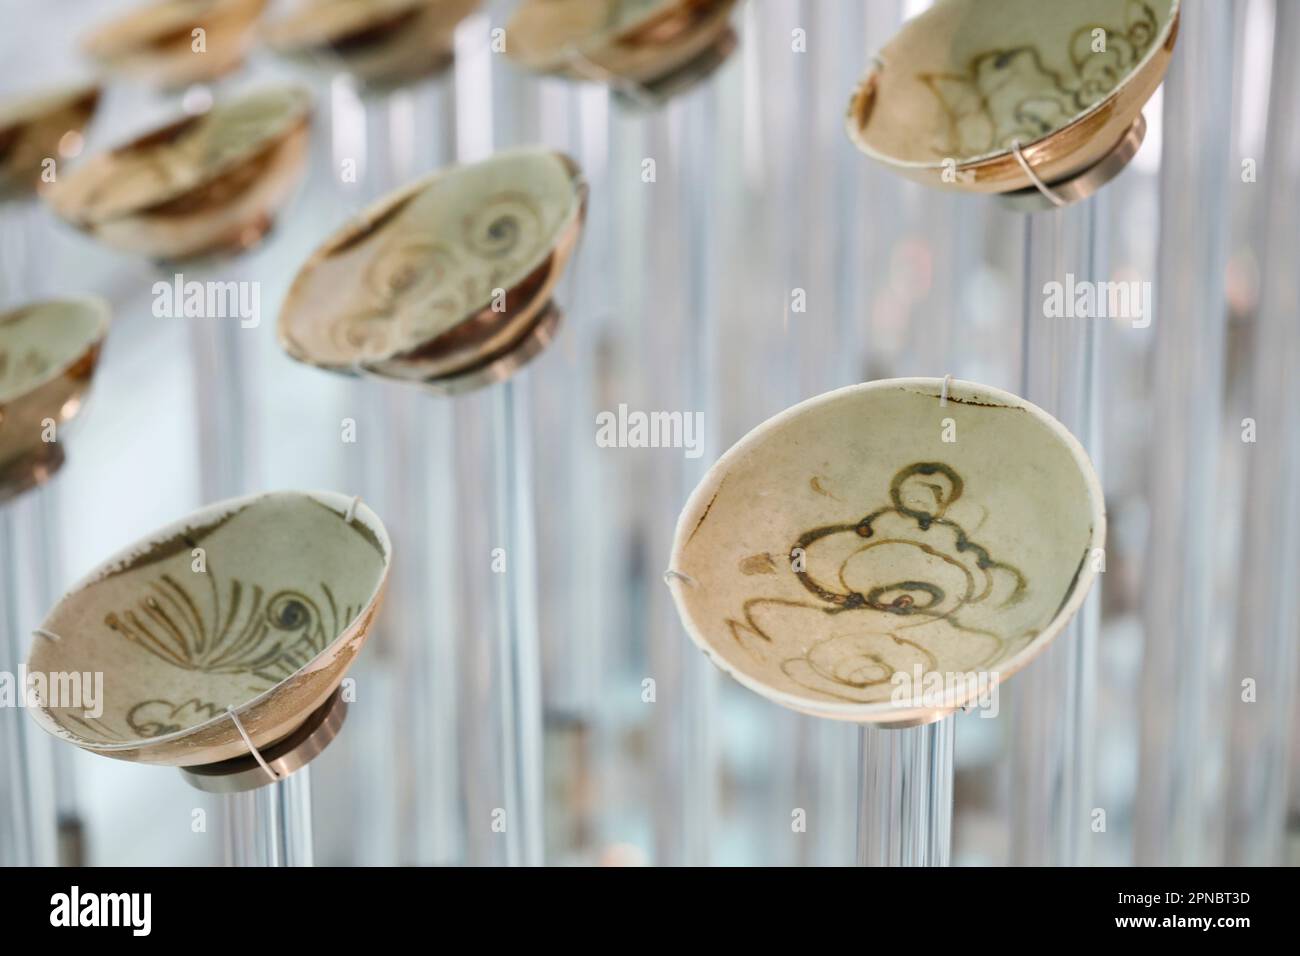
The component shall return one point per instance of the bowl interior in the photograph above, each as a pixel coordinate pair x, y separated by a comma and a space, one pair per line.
210, 613
428, 257
967, 78
179, 157
845, 541
40, 342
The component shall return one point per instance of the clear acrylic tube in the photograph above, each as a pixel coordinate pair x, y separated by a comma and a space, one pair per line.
1052, 700
27, 798
220, 397
270, 826
905, 795
1174, 815
500, 703
1263, 669
682, 340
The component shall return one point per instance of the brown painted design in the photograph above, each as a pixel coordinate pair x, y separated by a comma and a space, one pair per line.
914, 615
1008, 95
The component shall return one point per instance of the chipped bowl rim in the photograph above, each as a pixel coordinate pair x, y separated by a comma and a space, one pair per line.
335, 501
869, 79
885, 713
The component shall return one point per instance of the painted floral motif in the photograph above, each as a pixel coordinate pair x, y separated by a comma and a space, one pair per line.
241, 631
1009, 95
417, 286
902, 588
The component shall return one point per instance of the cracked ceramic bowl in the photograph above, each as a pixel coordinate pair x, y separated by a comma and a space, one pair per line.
959, 84
380, 42
843, 556
259, 604
38, 127
643, 41
448, 280
48, 355
201, 184
157, 42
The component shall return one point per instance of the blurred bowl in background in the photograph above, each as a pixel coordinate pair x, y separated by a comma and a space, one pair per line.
201, 184
379, 42
39, 127
445, 278
622, 41
48, 355
161, 43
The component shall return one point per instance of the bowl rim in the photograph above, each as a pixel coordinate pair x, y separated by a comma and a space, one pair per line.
869, 79
59, 95
300, 106
884, 712
330, 499
96, 306
361, 222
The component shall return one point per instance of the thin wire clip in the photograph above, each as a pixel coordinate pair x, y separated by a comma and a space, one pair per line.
1034, 177
943, 392
670, 575
249, 741
48, 635
352, 509
594, 71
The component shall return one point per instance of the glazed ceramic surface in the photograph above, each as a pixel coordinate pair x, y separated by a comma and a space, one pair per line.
260, 604
33, 128
443, 275
845, 541
48, 354
639, 40
962, 82
200, 184
156, 42
378, 41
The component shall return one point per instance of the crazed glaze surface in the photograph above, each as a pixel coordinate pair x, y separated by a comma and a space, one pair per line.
427, 261
844, 541
266, 617
966, 79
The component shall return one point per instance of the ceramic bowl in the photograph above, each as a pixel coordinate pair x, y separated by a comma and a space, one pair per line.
844, 547
380, 42
48, 354
445, 278
959, 84
35, 128
157, 43
642, 41
260, 604
201, 184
